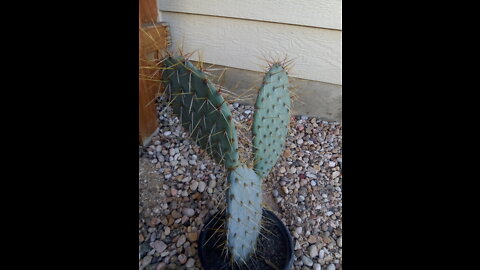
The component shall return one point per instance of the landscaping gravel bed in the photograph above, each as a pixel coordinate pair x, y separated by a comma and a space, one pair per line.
181, 187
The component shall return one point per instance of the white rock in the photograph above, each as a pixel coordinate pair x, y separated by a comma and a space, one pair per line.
212, 183
313, 251
339, 242
335, 174
321, 254
331, 164
167, 133
159, 246
317, 266
201, 186
190, 263
188, 212
194, 185
331, 266
307, 261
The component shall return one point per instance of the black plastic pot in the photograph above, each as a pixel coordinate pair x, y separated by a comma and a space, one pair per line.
276, 246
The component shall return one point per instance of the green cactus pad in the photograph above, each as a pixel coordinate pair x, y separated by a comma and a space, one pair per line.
202, 110
244, 212
271, 120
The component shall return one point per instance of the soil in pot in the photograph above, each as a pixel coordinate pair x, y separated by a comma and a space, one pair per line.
274, 246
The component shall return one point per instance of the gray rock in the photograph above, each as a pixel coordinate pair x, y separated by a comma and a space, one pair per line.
339, 242
188, 212
159, 246
161, 266
190, 263
182, 258
146, 260
212, 183
181, 240
321, 254
317, 266
313, 251
331, 266
201, 186
193, 185
307, 261
183, 162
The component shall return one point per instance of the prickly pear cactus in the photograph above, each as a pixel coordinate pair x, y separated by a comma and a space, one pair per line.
202, 110
271, 119
244, 212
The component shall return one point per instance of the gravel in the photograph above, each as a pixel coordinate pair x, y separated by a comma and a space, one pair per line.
181, 187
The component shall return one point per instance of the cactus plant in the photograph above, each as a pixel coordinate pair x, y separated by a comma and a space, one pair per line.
203, 111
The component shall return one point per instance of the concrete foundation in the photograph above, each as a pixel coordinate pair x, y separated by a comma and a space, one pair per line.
311, 98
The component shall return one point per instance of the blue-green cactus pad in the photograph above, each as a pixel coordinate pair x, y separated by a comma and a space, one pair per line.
244, 212
202, 110
271, 120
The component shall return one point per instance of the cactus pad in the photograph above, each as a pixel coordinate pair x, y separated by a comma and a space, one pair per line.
244, 212
271, 119
202, 110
